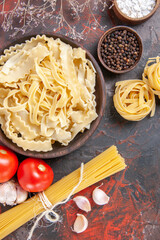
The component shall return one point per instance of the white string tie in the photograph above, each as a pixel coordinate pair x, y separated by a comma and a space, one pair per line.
49, 207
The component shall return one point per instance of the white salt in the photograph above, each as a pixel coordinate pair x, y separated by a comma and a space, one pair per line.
136, 8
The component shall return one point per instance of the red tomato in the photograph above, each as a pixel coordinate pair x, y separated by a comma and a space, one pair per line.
34, 175
8, 164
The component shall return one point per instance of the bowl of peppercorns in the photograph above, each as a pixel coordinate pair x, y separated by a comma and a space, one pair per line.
120, 49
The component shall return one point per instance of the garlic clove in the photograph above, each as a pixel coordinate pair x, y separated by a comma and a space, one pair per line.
8, 193
11, 193
83, 203
22, 195
80, 224
100, 197
2, 195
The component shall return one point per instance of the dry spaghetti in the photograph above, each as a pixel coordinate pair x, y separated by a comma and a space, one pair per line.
104, 165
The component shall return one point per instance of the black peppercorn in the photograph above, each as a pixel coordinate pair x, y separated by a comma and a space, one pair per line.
120, 49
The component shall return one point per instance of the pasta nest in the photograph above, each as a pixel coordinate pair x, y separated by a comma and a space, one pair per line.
134, 99
151, 74
46, 93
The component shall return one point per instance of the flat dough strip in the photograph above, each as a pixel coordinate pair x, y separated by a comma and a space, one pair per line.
24, 68
24, 129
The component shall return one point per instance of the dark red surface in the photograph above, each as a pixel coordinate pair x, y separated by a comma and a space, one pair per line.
133, 211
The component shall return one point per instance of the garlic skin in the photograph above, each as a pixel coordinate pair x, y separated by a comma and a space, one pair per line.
83, 203
22, 195
100, 197
11, 193
80, 224
7, 193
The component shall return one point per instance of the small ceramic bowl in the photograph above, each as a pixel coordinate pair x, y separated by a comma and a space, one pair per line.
133, 21
113, 31
81, 138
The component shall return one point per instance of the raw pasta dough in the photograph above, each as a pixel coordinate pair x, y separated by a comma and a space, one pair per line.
151, 74
134, 99
46, 93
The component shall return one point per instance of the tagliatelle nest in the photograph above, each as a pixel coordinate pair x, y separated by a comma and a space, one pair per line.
151, 74
46, 93
134, 99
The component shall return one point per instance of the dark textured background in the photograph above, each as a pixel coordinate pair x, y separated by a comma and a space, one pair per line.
133, 211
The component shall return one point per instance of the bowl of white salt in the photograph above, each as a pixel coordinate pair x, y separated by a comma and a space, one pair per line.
135, 11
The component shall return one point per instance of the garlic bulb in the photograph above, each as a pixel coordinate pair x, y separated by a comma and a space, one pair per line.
83, 203
80, 224
100, 197
11, 193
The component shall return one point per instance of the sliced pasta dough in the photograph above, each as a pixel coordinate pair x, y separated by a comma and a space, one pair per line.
134, 99
46, 93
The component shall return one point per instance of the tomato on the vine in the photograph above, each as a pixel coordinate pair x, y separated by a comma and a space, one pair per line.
8, 164
34, 175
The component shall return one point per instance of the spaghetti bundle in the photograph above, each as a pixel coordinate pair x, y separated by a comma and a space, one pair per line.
134, 100
104, 165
